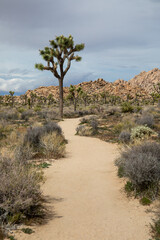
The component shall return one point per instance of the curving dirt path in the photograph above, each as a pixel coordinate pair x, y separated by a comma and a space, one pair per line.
87, 195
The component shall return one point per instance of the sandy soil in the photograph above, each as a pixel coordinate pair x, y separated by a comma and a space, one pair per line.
86, 195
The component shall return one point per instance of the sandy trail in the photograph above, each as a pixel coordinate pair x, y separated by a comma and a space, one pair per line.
86, 195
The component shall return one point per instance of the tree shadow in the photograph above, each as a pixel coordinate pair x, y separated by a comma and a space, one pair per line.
46, 212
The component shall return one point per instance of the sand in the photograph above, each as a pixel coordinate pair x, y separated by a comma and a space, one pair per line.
87, 197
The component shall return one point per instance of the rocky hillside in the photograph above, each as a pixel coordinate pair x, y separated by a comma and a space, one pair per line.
146, 80
141, 84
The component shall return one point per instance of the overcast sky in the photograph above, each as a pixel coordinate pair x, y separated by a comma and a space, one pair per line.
122, 38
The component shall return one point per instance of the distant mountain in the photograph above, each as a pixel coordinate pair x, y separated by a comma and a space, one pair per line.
141, 84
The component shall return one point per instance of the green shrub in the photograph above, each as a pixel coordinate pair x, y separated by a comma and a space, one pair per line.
129, 187
11, 237
145, 201
121, 171
127, 107
156, 229
37, 109
44, 165
21, 110
27, 230
124, 125
141, 132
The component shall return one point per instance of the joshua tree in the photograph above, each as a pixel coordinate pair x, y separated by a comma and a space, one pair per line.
50, 99
12, 98
75, 93
85, 97
58, 58
104, 96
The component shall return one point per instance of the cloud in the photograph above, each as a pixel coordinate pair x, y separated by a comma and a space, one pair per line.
121, 38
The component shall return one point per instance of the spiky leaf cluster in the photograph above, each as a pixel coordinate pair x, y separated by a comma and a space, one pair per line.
61, 49
75, 92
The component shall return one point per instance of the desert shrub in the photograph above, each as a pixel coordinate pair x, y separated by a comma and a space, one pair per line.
148, 109
121, 172
112, 110
20, 110
137, 109
53, 145
52, 127
70, 114
73, 114
34, 134
94, 125
84, 120
145, 201
25, 115
146, 119
20, 194
127, 107
141, 164
125, 137
156, 229
27, 230
141, 132
48, 115
124, 125
83, 130
129, 187
23, 152
37, 108
9, 115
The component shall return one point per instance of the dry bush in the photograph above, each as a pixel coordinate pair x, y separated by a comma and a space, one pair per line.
94, 125
83, 131
48, 115
125, 137
113, 110
53, 145
146, 119
27, 114
84, 120
20, 192
125, 125
141, 164
148, 109
52, 127
23, 152
34, 134
10, 114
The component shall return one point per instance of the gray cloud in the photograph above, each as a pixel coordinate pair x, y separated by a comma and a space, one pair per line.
122, 37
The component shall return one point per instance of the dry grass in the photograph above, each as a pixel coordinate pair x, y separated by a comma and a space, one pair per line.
20, 193
53, 145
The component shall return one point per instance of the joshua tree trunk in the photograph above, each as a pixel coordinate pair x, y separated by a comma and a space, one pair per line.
61, 97
75, 105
